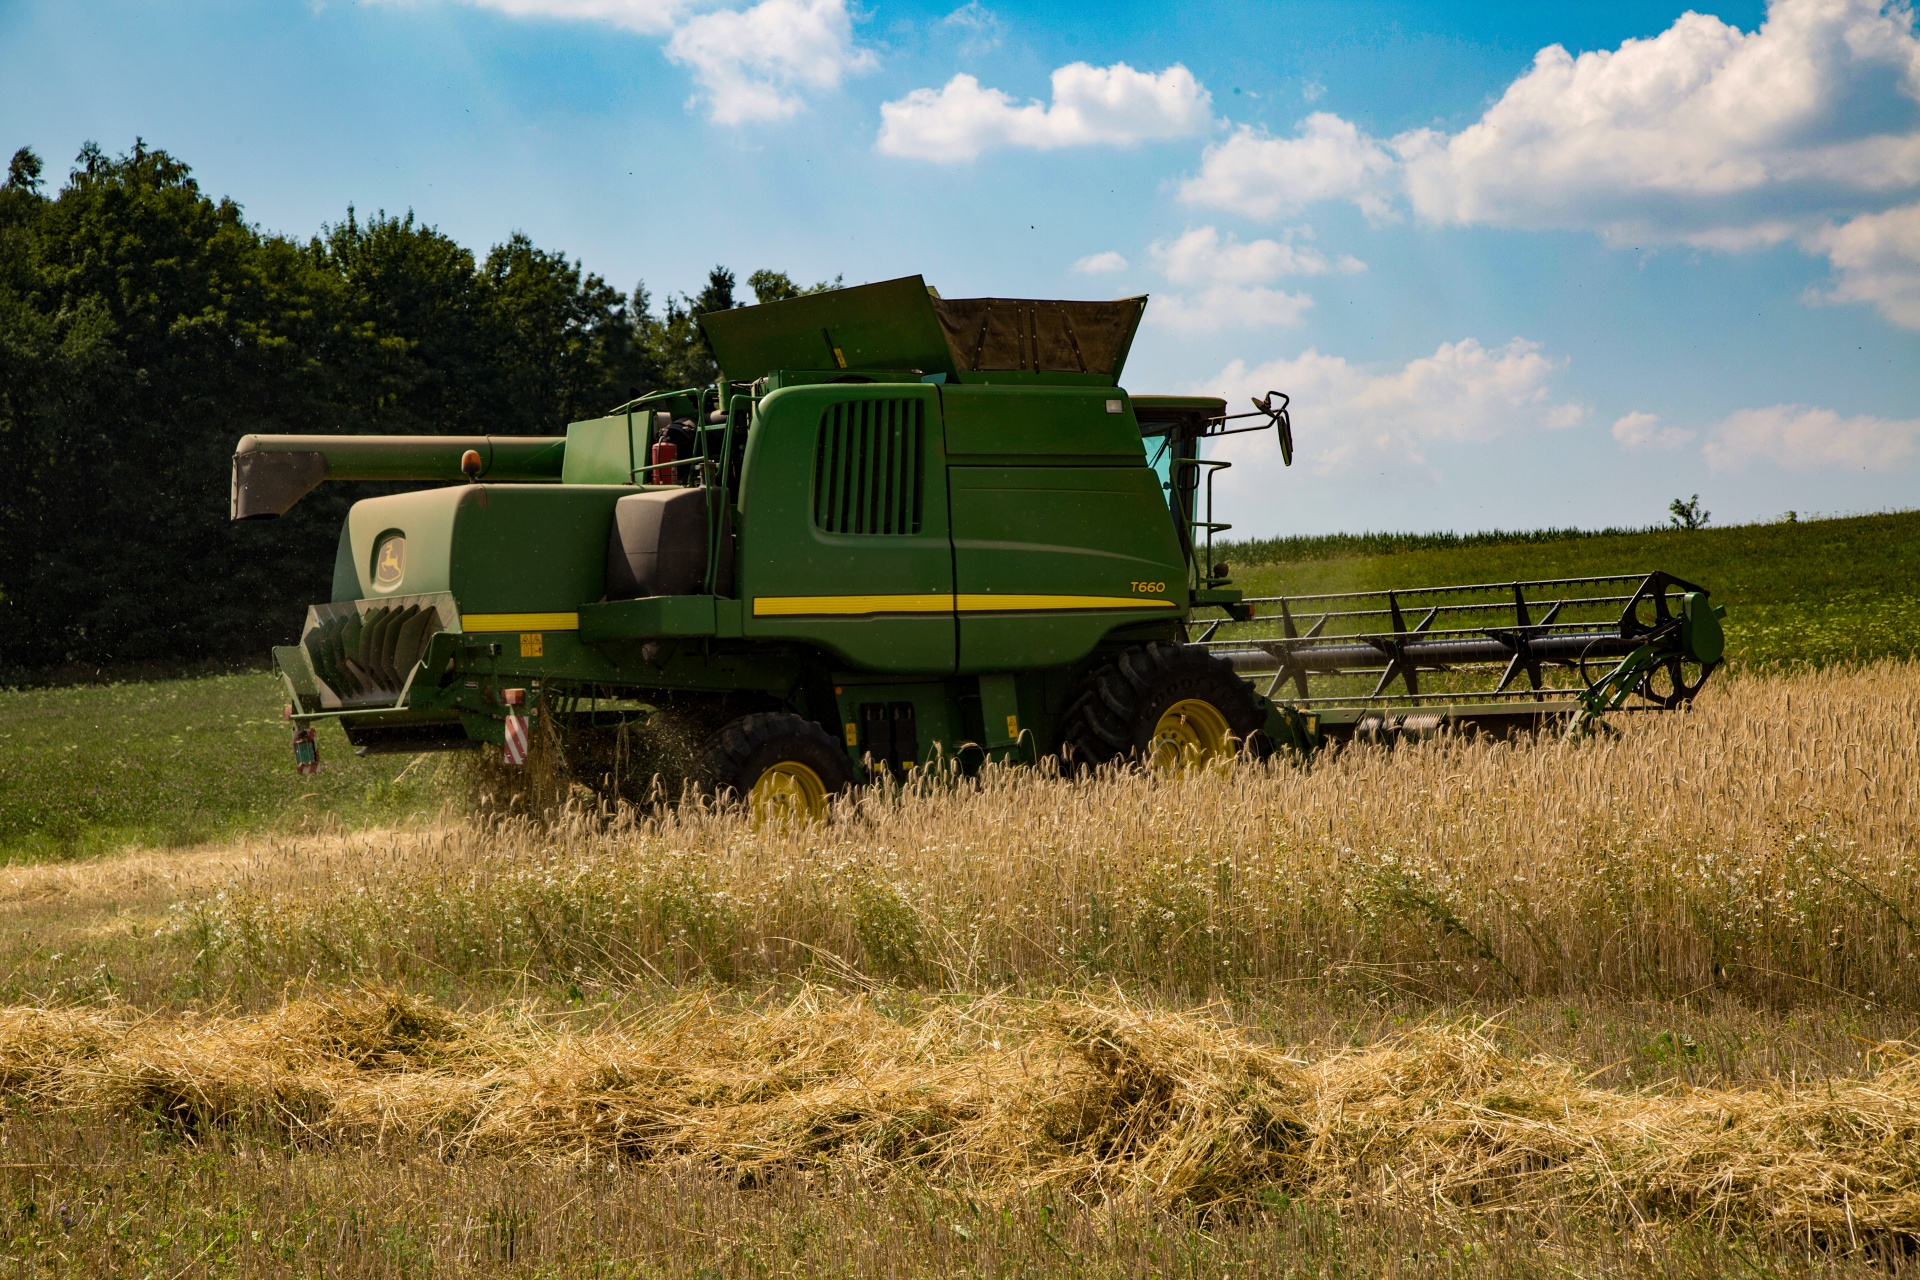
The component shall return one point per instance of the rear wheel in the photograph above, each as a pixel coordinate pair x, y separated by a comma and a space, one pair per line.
1172, 706
781, 766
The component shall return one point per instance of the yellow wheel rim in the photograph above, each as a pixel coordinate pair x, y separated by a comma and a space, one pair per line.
788, 791
1190, 733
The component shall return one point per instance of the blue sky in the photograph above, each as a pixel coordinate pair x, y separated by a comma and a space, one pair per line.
1517, 264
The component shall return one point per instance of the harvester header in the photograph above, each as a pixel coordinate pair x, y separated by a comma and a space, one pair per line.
897, 530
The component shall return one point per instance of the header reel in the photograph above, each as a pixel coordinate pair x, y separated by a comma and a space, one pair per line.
1495, 653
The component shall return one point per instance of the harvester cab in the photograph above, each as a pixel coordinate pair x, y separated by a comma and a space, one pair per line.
897, 530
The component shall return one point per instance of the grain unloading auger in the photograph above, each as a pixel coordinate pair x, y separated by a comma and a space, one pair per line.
899, 529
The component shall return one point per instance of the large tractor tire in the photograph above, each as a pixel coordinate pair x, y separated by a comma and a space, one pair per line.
1169, 706
781, 766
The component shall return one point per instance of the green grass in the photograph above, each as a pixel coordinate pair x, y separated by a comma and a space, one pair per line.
90, 768
1818, 591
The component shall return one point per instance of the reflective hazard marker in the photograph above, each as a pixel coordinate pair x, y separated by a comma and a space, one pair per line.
306, 749
516, 748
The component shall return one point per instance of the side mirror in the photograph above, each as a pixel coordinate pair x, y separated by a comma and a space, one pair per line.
1282, 421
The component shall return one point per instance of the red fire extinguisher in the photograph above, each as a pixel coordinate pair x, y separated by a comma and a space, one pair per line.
665, 451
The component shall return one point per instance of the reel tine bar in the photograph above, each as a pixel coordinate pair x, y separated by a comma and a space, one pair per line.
1474, 640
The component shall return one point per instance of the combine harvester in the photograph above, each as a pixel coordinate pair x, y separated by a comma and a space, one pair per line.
901, 529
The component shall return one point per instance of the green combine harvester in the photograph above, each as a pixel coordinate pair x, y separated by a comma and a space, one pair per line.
901, 530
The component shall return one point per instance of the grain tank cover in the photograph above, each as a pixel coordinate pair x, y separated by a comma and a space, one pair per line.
900, 324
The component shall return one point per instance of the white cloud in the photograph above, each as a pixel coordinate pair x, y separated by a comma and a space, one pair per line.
1347, 418
1228, 306
1099, 263
1113, 106
1227, 282
751, 63
1701, 133
1877, 259
1200, 255
1640, 431
648, 17
1805, 130
1704, 133
1798, 437
979, 27
1262, 177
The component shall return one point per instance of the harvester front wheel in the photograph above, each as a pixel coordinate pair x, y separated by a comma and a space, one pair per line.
1172, 706
783, 767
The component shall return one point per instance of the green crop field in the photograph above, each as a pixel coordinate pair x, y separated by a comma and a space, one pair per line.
88, 768
1819, 591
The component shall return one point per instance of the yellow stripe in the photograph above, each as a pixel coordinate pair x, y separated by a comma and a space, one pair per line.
472, 622
851, 606
1012, 603
788, 606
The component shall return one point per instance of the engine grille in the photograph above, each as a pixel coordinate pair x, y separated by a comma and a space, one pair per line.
868, 471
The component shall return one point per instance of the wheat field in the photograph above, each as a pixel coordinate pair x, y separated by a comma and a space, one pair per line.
1641, 1004
1761, 844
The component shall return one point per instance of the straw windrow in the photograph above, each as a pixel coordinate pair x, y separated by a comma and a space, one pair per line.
1095, 1100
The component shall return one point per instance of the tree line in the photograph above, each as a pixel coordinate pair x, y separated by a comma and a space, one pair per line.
145, 326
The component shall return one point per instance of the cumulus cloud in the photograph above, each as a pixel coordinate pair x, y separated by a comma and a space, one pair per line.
1876, 259
1228, 306
979, 28
1200, 254
1262, 177
1223, 283
1099, 263
751, 63
1111, 106
1349, 418
1700, 133
1640, 431
1798, 437
1804, 131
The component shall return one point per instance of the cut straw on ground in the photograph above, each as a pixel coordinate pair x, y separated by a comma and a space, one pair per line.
1094, 1099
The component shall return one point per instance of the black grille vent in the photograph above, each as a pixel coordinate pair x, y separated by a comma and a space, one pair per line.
867, 471
366, 657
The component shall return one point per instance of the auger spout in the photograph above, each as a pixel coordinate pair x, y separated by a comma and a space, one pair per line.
272, 473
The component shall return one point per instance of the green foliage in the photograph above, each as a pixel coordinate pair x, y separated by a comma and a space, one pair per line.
145, 326
1340, 546
674, 345
1819, 591
674, 342
1688, 514
778, 286
88, 768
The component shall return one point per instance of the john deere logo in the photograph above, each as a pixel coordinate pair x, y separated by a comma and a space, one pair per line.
389, 563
